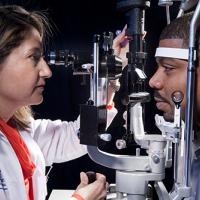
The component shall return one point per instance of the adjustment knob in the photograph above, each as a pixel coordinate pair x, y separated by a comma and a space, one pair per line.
177, 98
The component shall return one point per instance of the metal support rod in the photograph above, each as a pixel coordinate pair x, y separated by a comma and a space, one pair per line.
190, 96
92, 87
175, 161
96, 69
177, 144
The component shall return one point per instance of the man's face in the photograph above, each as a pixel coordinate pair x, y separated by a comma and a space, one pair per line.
170, 76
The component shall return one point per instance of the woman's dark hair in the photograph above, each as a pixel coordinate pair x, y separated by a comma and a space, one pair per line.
15, 24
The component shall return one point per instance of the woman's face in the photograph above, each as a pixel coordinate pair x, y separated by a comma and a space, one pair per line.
23, 73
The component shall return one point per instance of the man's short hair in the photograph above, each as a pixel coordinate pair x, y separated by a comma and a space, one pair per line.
179, 29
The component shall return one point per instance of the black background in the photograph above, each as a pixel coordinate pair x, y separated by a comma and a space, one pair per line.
75, 23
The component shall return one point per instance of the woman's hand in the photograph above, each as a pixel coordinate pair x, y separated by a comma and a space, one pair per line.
121, 47
93, 191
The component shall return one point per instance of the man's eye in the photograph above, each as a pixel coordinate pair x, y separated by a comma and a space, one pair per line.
168, 68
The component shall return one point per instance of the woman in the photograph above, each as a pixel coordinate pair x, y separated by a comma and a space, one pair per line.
27, 145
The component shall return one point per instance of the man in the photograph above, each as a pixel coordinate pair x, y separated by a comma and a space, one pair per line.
171, 75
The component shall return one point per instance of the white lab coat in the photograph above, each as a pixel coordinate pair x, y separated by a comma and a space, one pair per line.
48, 142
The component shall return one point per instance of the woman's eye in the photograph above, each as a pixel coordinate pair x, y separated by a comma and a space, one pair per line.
36, 58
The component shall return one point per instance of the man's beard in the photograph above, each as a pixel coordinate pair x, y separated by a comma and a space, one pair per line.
169, 115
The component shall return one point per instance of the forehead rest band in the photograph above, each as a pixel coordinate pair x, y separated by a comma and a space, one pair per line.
177, 53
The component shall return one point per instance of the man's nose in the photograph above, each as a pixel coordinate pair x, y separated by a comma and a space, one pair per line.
156, 81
